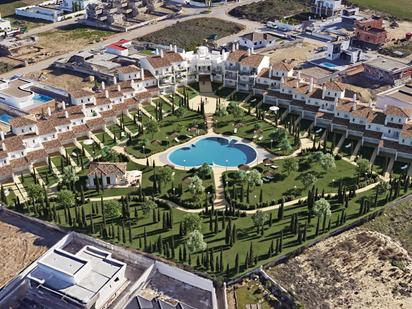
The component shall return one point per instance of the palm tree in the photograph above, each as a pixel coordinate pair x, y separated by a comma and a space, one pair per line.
69, 176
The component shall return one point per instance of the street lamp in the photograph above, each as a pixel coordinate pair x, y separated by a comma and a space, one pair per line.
184, 165
271, 142
144, 152
226, 165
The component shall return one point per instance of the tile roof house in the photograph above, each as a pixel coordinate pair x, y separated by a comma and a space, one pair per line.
112, 175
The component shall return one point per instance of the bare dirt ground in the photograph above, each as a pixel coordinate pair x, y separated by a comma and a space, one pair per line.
357, 269
300, 52
61, 79
21, 243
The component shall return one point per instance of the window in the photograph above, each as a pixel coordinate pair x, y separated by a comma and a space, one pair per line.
389, 131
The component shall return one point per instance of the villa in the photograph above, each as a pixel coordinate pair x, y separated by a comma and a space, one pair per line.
112, 175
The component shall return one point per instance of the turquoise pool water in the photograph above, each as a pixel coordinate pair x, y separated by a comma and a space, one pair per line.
41, 98
214, 151
329, 65
6, 117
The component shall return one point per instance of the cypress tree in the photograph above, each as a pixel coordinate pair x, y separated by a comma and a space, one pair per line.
237, 263
281, 209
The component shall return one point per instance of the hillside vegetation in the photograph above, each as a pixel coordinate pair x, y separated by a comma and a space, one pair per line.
398, 8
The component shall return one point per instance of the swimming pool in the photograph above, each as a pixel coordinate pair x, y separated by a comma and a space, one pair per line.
6, 117
214, 151
41, 98
329, 65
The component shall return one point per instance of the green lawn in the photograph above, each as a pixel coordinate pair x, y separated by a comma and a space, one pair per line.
250, 128
397, 8
48, 177
164, 139
246, 230
283, 185
130, 124
105, 139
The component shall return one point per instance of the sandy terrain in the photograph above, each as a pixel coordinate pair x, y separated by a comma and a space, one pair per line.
357, 269
60, 79
21, 243
299, 52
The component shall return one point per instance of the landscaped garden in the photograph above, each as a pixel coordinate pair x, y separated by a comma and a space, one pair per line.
273, 208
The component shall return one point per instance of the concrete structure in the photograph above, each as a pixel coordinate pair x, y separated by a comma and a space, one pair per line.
5, 24
371, 32
399, 96
256, 40
341, 50
327, 8
82, 272
112, 175
20, 94
388, 70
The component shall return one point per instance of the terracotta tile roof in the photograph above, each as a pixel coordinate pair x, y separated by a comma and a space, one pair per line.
128, 69
131, 102
264, 73
362, 111
165, 61
13, 143
108, 114
243, 58
36, 155
279, 95
282, 66
52, 144
45, 127
345, 106
59, 119
65, 136
102, 100
80, 129
119, 107
95, 122
376, 117
107, 168
3, 154
126, 85
397, 111
317, 94
407, 130
19, 164
6, 171
19, 122
334, 85
80, 93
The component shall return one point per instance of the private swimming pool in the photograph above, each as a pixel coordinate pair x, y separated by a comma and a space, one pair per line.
5, 117
41, 98
214, 151
329, 65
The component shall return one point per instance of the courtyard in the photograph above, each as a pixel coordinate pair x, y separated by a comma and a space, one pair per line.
235, 212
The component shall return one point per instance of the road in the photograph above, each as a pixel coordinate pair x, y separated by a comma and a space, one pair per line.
188, 13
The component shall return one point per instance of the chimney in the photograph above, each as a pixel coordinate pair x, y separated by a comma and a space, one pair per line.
175, 48
299, 76
282, 80
2, 135
248, 51
233, 47
66, 114
63, 105
270, 71
84, 108
106, 93
297, 83
157, 51
103, 85
49, 111
237, 45
252, 50
119, 88
354, 98
3, 146
115, 80
171, 47
161, 53
323, 91
311, 85
142, 73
